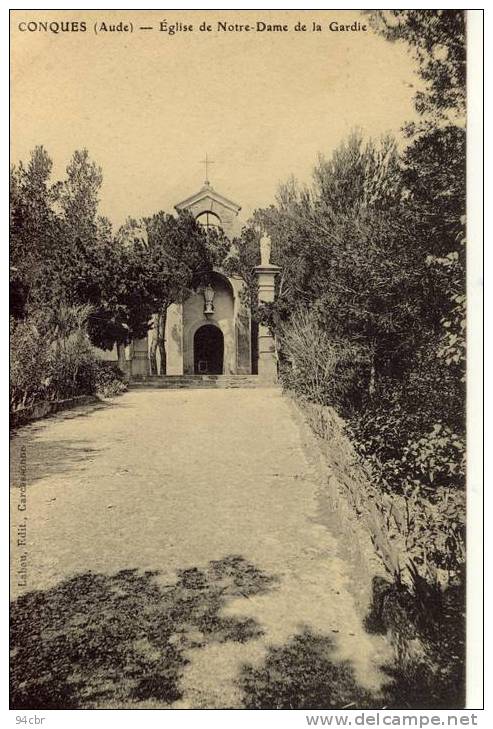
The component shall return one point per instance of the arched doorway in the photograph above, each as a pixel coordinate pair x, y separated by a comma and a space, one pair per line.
208, 350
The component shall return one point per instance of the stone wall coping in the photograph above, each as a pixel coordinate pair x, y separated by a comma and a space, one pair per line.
48, 407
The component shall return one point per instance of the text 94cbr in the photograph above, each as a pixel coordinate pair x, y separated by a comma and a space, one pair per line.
29, 719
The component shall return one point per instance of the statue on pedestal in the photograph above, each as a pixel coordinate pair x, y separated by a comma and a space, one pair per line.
208, 298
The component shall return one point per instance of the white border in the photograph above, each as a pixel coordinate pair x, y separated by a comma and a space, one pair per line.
475, 163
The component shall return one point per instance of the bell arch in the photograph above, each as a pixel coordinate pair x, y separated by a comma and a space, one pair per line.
209, 220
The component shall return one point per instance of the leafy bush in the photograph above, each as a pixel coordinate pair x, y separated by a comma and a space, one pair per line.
109, 379
320, 368
427, 630
28, 363
414, 530
419, 536
51, 357
72, 367
412, 431
453, 343
417, 467
403, 455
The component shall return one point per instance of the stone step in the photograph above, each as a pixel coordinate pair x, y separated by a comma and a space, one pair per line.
196, 381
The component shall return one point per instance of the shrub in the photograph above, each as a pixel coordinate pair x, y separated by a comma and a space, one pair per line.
418, 535
427, 629
402, 454
28, 364
414, 530
72, 367
412, 432
417, 469
319, 368
51, 357
109, 379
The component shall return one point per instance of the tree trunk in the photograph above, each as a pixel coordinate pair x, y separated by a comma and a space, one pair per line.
120, 348
161, 341
153, 347
372, 382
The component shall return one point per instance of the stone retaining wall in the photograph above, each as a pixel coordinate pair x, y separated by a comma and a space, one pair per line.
420, 635
43, 409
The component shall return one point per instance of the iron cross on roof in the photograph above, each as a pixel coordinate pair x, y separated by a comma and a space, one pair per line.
207, 162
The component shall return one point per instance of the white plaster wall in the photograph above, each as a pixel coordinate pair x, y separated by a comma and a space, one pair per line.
223, 317
108, 355
140, 358
174, 339
242, 319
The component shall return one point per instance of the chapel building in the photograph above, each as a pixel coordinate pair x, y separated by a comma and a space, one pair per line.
211, 333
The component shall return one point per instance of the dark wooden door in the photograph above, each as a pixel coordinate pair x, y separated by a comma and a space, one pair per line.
208, 350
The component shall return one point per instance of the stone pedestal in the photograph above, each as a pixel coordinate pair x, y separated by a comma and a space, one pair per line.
267, 361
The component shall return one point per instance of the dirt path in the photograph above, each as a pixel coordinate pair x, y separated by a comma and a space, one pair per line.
211, 498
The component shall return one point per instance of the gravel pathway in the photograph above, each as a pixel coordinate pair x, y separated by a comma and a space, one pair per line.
167, 481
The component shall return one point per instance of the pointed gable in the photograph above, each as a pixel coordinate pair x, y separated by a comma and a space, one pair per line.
207, 200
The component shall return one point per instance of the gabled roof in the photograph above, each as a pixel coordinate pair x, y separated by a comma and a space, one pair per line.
208, 192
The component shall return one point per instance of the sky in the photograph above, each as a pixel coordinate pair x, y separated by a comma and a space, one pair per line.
148, 105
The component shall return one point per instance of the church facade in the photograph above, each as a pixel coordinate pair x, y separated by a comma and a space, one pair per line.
210, 333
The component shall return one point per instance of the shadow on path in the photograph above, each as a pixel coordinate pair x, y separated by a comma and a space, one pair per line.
303, 674
427, 673
121, 638
46, 457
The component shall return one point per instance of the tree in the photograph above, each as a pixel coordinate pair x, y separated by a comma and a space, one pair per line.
120, 310
437, 40
435, 159
79, 192
241, 260
346, 247
34, 229
60, 231
64, 254
178, 251
86, 234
